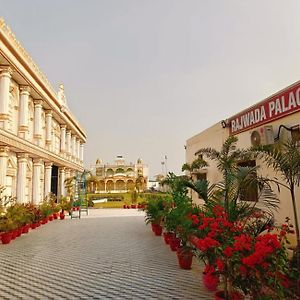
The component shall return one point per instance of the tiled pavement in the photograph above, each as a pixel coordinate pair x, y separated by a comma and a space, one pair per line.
109, 255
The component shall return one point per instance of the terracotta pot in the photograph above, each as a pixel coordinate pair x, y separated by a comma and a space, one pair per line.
55, 216
185, 258
51, 218
62, 216
6, 237
174, 243
220, 295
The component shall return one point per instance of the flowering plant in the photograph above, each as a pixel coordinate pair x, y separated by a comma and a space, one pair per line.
255, 264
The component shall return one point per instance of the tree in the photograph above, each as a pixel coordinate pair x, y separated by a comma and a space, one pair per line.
285, 159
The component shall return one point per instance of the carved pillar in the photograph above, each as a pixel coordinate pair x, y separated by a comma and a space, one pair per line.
3, 165
49, 130
62, 182
63, 138
36, 180
5, 76
48, 173
78, 150
74, 146
23, 115
21, 177
69, 142
81, 152
38, 121
68, 173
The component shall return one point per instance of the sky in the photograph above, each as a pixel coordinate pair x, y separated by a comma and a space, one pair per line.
144, 76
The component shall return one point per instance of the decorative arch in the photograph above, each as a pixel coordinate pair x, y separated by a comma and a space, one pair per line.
109, 172
120, 185
110, 185
130, 185
120, 171
101, 185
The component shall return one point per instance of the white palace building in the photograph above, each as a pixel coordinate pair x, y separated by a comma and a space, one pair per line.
41, 142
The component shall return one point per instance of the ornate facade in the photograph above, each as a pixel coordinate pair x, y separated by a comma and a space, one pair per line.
119, 177
41, 143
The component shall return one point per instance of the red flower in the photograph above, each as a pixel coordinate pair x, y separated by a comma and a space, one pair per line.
228, 251
242, 242
220, 265
206, 243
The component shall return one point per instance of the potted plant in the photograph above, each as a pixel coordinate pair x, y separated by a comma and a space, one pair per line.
6, 228
65, 205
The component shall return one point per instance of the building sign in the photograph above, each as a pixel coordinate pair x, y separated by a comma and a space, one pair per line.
281, 104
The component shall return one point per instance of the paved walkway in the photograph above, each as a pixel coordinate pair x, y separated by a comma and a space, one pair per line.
110, 254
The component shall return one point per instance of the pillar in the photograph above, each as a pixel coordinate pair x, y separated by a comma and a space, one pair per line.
23, 113
49, 129
5, 76
62, 182
74, 146
78, 150
81, 152
38, 121
36, 180
63, 138
68, 173
21, 177
68, 142
47, 182
3, 165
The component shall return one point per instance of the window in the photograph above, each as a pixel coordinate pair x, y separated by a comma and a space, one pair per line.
249, 192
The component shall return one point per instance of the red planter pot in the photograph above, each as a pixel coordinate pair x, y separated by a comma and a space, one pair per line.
167, 236
210, 281
128, 206
19, 231
51, 218
133, 206
62, 216
14, 233
185, 258
124, 206
157, 229
6, 237
45, 220
55, 216
25, 228
220, 295
34, 225
174, 243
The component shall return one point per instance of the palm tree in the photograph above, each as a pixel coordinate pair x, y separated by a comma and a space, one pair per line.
194, 168
285, 159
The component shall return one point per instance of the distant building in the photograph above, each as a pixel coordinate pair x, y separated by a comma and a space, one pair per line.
118, 177
41, 142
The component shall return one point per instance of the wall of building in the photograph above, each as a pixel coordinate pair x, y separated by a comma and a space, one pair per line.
37, 129
215, 136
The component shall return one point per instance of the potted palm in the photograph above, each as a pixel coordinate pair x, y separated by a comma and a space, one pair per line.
65, 205
6, 228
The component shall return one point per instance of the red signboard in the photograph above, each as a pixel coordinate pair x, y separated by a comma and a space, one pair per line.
278, 105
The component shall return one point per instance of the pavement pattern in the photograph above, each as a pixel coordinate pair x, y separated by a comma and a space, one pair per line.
110, 254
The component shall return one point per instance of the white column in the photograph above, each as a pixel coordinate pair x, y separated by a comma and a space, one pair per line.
47, 182
69, 142
23, 114
68, 173
3, 165
38, 121
48, 129
74, 146
21, 177
81, 152
5, 76
63, 138
62, 182
36, 180
78, 149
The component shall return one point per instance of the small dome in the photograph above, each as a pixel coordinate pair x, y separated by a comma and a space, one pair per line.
98, 161
139, 161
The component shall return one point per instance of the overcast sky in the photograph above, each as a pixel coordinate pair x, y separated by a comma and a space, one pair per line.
144, 76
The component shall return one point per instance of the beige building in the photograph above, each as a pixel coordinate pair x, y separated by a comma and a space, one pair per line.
277, 117
118, 177
41, 142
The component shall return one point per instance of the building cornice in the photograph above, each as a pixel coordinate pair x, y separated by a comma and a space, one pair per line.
21, 145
